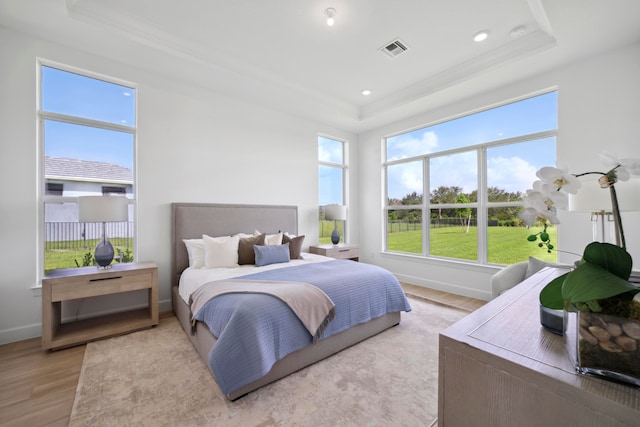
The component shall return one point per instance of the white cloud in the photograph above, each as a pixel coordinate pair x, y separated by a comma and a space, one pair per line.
455, 170
511, 174
402, 148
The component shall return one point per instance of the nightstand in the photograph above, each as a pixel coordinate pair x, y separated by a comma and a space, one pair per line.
76, 283
340, 251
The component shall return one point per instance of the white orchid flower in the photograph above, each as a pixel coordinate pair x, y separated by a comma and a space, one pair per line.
540, 205
551, 197
559, 178
621, 168
529, 216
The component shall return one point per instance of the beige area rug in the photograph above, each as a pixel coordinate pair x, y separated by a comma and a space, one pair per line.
155, 378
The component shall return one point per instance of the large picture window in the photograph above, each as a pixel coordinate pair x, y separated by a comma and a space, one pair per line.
332, 179
87, 131
474, 171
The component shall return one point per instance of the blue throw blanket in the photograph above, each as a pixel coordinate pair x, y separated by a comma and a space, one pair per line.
254, 331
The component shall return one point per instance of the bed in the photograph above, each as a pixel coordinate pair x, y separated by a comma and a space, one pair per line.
192, 220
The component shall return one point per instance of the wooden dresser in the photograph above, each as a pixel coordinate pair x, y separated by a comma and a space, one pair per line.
499, 367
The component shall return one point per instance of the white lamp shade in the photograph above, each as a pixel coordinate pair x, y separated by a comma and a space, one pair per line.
335, 212
592, 198
103, 209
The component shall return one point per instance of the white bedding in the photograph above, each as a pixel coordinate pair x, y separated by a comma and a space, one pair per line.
192, 278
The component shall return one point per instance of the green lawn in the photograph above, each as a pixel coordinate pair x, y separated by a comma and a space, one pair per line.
66, 258
507, 245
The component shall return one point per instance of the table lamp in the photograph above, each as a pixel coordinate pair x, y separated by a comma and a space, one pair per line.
335, 213
103, 209
597, 201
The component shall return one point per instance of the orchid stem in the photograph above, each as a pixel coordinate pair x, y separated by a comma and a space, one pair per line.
620, 240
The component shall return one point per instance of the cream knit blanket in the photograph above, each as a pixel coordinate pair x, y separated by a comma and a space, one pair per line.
312, 306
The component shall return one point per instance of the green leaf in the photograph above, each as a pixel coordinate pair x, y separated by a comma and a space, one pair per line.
590, 282
551, 294
610, 257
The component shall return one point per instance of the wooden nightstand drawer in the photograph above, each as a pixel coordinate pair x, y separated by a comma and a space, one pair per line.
112, 283
343, 251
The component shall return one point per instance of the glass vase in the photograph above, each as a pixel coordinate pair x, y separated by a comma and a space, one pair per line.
606, 345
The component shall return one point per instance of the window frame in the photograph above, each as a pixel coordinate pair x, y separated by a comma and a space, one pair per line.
482, 205
43, 116
344, 166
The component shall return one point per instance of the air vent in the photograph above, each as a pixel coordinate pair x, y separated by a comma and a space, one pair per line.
394, 48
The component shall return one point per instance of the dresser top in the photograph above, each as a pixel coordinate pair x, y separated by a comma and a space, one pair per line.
508, 327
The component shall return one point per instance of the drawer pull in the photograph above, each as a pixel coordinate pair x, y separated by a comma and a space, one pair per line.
344, 250
105, 278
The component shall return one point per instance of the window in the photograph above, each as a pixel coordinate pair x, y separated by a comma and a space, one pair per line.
54, 189
474, 171
332, 179
106, 190
87, 131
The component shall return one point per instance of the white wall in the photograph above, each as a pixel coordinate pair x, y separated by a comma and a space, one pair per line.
198, 146
193, 146
598, 110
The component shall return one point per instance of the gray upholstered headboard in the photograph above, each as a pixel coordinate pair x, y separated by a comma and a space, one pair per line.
192, 220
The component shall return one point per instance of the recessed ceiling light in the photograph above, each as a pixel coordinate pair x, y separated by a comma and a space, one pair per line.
366, 92
481, 36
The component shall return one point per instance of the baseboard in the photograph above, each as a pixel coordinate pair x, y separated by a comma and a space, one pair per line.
444, 287
20, 333
35, 330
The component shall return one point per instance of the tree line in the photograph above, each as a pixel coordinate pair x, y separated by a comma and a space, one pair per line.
453, 194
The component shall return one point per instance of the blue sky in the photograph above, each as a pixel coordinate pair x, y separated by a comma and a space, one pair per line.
75, 95
509, 167
330, 178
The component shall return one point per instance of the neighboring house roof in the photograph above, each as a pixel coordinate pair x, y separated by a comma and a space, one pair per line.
85, 170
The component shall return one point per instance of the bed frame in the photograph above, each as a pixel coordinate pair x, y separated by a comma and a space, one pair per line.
192, 220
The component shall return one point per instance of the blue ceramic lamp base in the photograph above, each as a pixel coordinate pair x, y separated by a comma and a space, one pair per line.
104, 253
335, 236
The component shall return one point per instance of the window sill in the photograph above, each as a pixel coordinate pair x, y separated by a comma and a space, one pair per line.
36, 290
442, 262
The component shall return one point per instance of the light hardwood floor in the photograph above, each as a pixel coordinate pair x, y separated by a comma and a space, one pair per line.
37, 387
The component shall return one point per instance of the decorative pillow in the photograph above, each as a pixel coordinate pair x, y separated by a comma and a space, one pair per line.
271, 239
271, 254
245, 235
295, 245
536, 265
195, 249
220, 251
246, 255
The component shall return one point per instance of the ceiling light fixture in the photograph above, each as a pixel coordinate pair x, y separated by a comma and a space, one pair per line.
366, 92
330, 12
481, 36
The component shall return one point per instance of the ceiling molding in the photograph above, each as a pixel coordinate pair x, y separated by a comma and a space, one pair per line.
145, 33
540, 15
149, 35
525, 46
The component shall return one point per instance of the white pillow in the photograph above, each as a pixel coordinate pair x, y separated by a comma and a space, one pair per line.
220, 251
536, 265
270, 239
244, 235
195, 249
